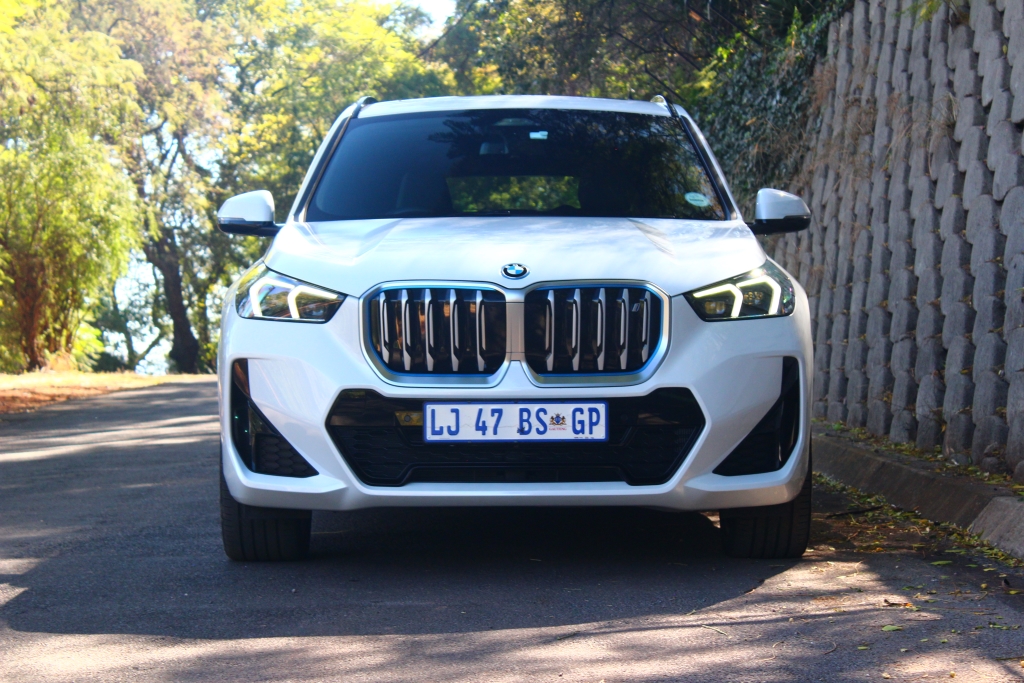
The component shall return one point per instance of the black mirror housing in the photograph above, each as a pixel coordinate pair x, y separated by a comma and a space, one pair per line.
778, 226
238, 226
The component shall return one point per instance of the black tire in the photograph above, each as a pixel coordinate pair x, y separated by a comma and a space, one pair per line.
771, 532
254, 534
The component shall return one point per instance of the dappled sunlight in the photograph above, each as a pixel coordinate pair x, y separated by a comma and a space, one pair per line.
169, 432
112, 567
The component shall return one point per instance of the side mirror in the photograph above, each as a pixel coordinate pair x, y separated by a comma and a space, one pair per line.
251, 213
779, 212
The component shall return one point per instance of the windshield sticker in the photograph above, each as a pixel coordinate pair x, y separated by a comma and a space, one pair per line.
697, 199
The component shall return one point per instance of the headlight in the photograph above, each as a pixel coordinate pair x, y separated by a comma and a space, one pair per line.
266, 295
764, 292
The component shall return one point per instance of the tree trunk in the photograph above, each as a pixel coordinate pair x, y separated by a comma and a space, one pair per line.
184, 353
30, 290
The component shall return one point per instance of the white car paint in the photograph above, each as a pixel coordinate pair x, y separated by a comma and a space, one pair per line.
354, 256
254, 207
296, 371
776, 204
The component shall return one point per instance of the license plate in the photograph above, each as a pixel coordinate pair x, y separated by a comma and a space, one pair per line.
516, 421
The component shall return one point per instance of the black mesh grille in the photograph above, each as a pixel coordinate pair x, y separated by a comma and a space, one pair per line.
768, 446
439, 331
382, 441
590, 330
273, 455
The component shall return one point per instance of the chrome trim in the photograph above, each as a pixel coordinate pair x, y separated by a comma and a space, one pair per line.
481, 331
428, 328
515, 300
646, 349
453, 328
623, 348
549, 331
406, 332
574, 305
602, 304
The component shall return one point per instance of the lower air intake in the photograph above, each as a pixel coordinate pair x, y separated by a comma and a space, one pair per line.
273, 455
262, 449
382, 441
770, 444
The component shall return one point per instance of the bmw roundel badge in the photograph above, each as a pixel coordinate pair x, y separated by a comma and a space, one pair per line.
514, 270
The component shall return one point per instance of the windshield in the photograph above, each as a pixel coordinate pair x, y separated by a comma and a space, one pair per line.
548, 162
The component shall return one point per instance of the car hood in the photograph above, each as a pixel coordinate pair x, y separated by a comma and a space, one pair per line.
354, 256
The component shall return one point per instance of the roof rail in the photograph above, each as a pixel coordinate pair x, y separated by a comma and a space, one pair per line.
362, 102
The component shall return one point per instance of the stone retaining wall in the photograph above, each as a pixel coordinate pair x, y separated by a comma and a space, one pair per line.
914, 263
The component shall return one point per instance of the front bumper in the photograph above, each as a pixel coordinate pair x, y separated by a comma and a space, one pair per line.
733, 369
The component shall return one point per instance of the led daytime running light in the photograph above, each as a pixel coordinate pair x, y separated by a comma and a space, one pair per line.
737, 297
265, 295
764, 292
296, 290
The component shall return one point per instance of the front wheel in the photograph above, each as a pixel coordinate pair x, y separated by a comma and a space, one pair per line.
262, 534
770, 532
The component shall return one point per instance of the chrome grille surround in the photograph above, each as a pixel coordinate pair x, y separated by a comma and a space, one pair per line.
399, 352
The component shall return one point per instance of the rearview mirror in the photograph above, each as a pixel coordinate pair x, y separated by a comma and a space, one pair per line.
777, 212
251, 213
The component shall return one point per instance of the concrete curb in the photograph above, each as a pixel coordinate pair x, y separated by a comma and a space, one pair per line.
992, 512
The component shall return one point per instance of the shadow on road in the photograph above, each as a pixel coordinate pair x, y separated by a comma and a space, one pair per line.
386, 572
114, 500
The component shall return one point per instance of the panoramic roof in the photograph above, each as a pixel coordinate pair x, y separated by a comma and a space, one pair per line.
432, 104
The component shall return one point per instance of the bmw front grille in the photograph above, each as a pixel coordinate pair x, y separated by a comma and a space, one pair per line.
558, 330
439, 330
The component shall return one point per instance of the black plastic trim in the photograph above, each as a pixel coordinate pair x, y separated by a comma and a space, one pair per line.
778, 226
649, 439
238, 226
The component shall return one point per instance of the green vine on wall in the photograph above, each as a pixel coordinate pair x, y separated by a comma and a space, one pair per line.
756, 103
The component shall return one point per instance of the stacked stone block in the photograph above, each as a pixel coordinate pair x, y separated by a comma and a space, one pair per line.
914, 264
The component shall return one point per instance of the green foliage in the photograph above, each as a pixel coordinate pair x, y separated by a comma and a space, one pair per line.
745, 71
754, 103
294, 66
602, 47
924, 10
67, 212
125, 123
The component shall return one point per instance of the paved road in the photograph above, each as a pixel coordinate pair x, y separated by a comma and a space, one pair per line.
111, 569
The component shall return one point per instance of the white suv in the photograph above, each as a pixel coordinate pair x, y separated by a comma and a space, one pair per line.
514, 301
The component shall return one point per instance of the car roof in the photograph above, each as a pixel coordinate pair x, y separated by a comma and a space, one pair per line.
439, 104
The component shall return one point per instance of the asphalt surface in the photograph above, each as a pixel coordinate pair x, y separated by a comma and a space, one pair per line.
111, 568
